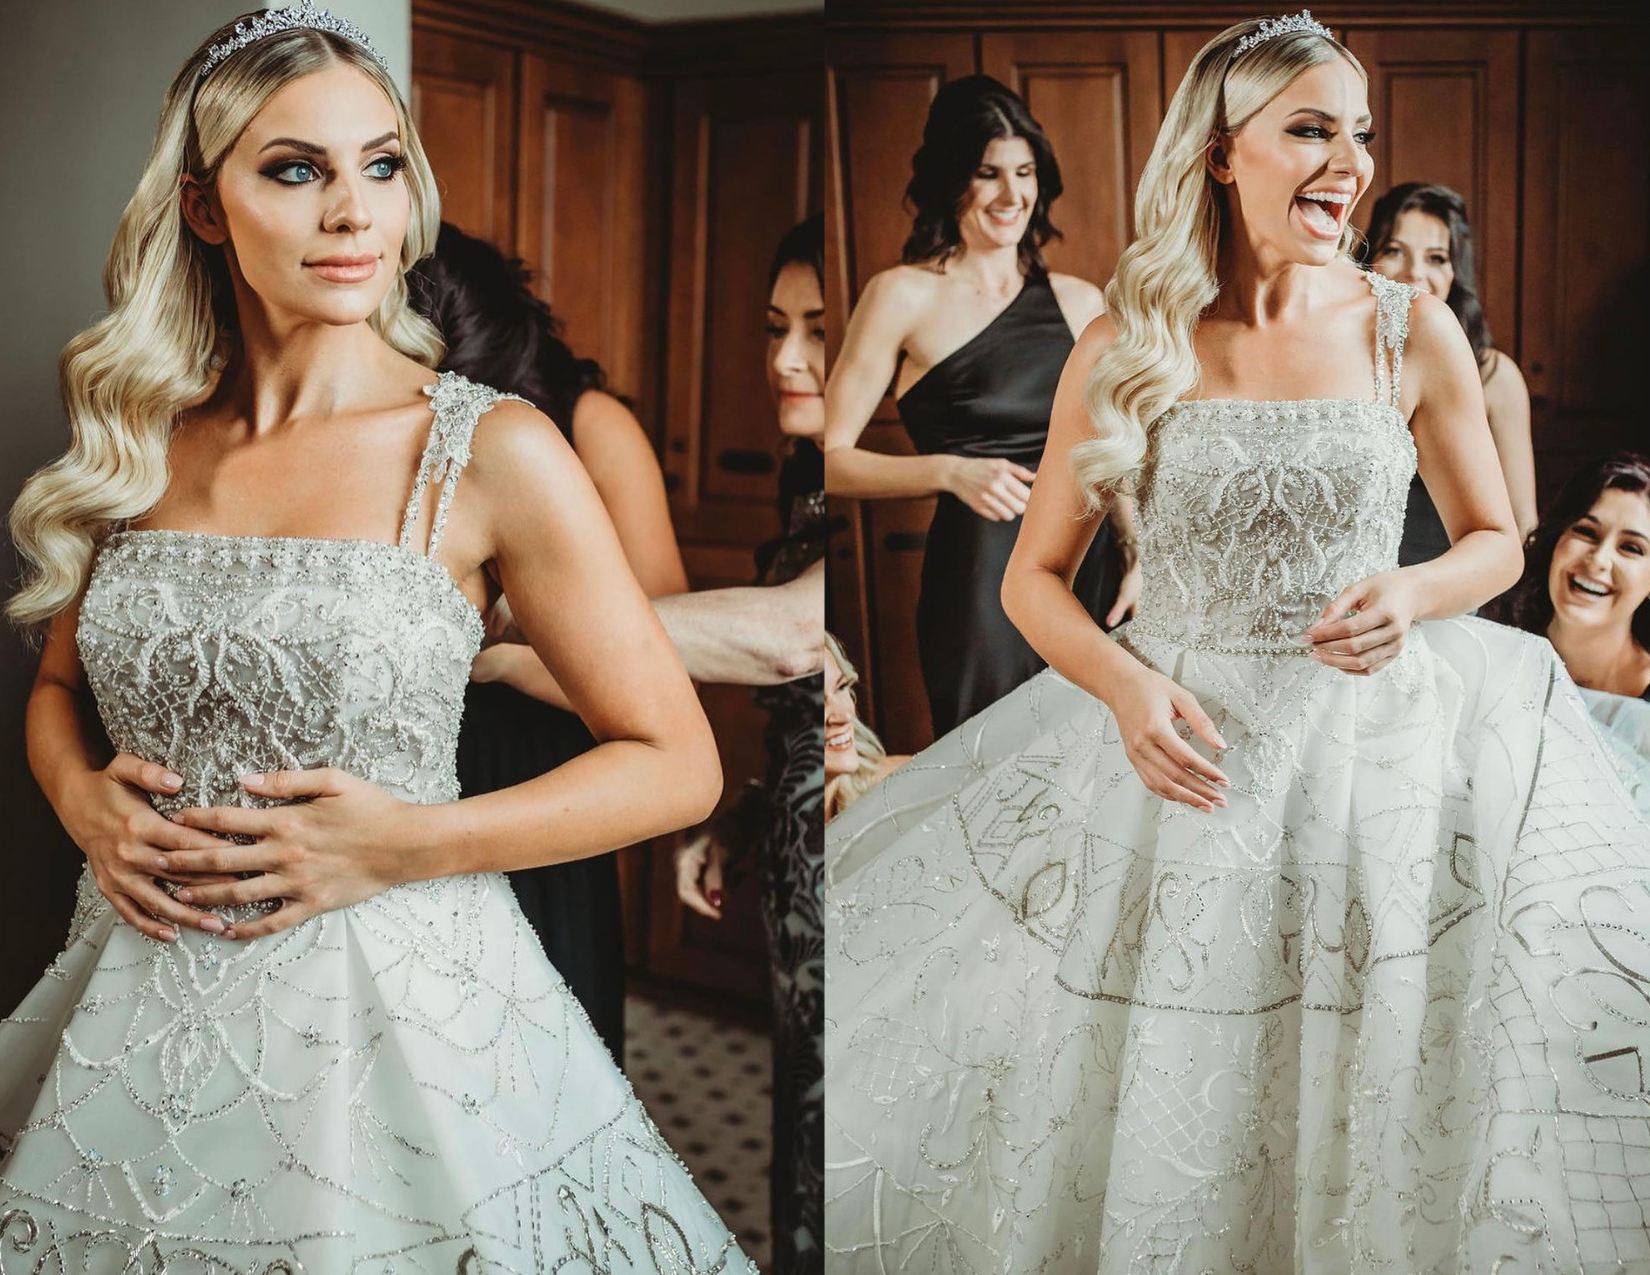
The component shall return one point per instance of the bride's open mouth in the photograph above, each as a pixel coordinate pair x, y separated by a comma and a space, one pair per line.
1324, 212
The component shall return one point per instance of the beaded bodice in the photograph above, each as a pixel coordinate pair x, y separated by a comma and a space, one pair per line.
222, 655
1254, 515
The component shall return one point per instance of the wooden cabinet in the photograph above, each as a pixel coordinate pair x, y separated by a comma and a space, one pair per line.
464, 106
1586, 229
1445, 103
582, 177
1096, 95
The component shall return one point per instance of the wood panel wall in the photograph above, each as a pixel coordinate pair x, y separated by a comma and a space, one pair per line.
645, 174
1531, 110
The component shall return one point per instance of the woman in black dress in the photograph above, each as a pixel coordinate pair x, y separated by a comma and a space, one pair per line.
971, 331
1419, 235
498, 333
786, 817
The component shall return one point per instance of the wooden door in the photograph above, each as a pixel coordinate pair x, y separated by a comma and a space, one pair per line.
1586, 257
879, 88
580, 215
1445, 105
745, 170
1096, 94
463, 105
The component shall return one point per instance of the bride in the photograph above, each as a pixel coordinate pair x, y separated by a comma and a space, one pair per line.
300, 1024
1293, 926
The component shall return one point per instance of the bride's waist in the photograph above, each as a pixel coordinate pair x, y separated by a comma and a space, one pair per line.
1237, 625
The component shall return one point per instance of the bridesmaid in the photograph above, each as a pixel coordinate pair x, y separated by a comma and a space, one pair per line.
498, 333
786, 815
1419, 235
971, 331
1586, 588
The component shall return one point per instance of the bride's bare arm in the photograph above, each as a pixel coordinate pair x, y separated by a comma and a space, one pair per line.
1037, 597
100, 799
1365, 627
654, 769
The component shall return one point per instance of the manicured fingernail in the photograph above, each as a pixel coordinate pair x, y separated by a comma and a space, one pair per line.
170, 780
161, 863
229, 933
1221, 743
184, 895
168, 935
715, 897
176, 816
253, 780
212, 924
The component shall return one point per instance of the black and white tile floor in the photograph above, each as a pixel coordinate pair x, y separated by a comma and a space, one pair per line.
708, 1085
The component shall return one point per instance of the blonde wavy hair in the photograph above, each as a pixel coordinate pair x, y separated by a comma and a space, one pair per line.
843, 791
1166, 279
171, 325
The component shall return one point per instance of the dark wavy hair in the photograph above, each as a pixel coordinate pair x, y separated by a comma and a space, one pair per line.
1443, 203
965, 117
802, 244
497, 331
1530, 603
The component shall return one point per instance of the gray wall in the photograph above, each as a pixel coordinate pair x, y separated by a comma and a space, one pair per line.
81, 83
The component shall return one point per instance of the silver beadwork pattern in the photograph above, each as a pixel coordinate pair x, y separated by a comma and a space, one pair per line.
293, 17
1385, 1012
401, 1085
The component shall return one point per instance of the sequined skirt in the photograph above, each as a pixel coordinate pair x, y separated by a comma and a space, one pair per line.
1385, 1012
402, 1085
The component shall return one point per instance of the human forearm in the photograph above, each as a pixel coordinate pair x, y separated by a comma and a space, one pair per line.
1480, 565
62, 745
618, 794
868, 475
750, 636
1059, 628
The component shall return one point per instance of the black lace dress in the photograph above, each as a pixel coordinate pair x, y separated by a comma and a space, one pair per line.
790, 850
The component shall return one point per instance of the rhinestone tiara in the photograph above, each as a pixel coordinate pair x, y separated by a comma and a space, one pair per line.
1302, 21
293, 17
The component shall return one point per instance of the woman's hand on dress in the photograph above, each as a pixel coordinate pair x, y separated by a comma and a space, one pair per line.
1128, 594
1146, 710
340, 841
699, 874
1363, 630
992, 487
107, 814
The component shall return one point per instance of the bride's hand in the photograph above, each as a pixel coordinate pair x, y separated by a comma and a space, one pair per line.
107, 815
1146, 710
339, 842
1363, 630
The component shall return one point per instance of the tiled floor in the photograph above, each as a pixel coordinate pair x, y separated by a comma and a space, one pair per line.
708, 1086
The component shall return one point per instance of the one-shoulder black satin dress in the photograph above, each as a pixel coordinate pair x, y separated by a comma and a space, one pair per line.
508, 738
989, 397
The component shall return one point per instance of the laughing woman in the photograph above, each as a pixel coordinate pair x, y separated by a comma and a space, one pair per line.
300, 1023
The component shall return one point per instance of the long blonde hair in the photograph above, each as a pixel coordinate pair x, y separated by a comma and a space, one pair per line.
1166, 279
171, 323
844, 790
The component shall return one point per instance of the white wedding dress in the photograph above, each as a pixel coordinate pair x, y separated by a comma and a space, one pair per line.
401, 1086
1388, 1012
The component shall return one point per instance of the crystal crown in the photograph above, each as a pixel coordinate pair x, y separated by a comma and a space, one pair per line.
294, 16
1302, 21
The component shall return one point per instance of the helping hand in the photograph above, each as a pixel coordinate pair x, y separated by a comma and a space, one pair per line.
341, 841
1363, 630
699, 874
1128, 594
991, 487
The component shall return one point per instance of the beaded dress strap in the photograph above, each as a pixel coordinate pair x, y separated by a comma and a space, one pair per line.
457, 404
1391, 331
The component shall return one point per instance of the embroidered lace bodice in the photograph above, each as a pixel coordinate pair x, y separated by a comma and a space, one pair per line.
1254, 515
224, 655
